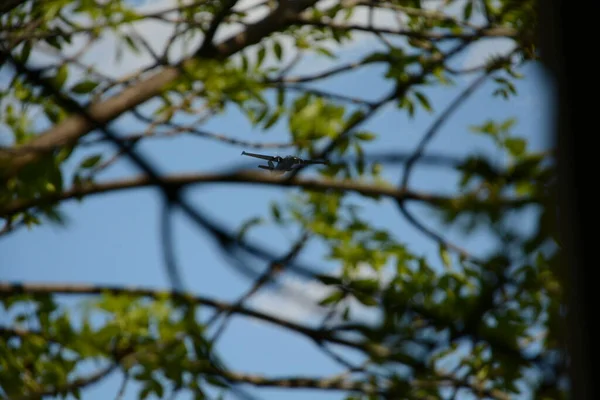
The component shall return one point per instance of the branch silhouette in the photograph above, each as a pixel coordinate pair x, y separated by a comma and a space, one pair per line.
256, 178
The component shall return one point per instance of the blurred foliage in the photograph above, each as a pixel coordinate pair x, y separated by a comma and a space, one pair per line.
486, 325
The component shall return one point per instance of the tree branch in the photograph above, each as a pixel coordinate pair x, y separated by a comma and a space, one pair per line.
239, 177
297, 382
435, 127
324, 74
435, 36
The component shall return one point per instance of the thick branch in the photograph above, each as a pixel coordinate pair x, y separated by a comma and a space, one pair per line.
239, 177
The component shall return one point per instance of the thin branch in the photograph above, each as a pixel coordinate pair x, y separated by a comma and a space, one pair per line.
321, 75
123, 386
286, 69
435, 127
433, 36
328, 95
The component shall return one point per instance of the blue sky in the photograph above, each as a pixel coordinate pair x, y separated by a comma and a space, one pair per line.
115, 238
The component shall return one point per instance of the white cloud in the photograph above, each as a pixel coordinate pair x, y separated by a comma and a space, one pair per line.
297, 299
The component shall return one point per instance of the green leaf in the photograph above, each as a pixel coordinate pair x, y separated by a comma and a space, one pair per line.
365, 136
516, 146
25, 52
355, 118
275, 212
84, 87
280, 96
302, 43
445, 255
411, 108
325, 52
468, 10
131, 44
365, 286
215, 381
377, 57
360, 162
329, 280
61, 76
145, 392
524, 188
90, 161
244, 62
53, 41
333, 298
247, 225
506, 125
376, 169
64, 153
278, 50
272, 119
260, 57
424, 101
365, 299
489, 128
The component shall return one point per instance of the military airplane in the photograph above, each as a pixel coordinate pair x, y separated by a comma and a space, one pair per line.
279, 165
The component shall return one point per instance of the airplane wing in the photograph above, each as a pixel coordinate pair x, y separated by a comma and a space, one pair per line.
268, 158
309, 162
315, 162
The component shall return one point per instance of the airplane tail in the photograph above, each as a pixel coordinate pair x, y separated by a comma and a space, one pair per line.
264, 167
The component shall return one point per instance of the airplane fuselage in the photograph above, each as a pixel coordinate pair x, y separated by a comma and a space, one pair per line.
288, 163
